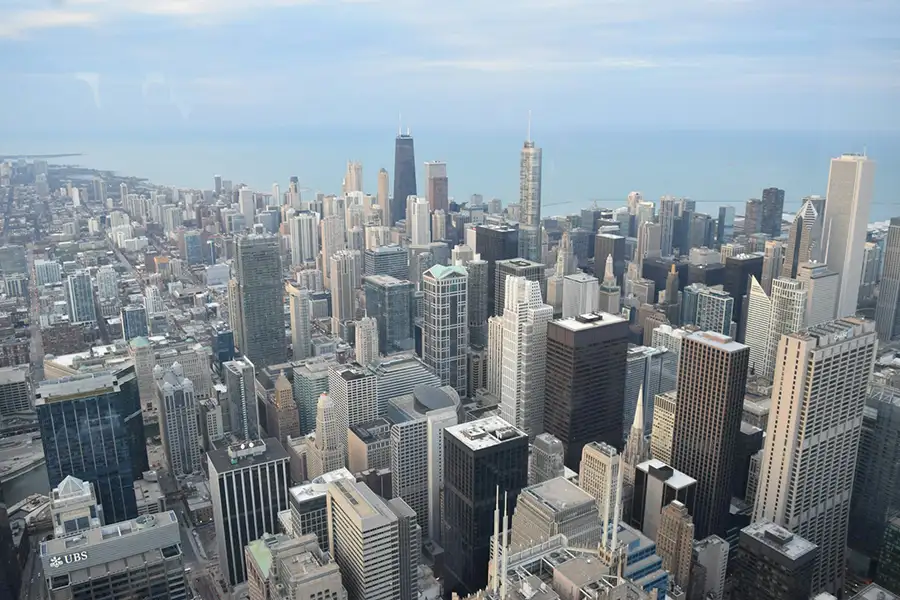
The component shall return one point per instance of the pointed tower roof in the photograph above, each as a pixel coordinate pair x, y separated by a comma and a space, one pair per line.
282, 383
608, 272
756, 286
638, 422
70, 486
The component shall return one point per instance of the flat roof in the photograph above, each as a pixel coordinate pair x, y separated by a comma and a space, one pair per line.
559, 494
484, 433
80, 386
589, 321
717, 340
779, 539
222, 462
16, 374
678, 480
319, 486
366, 504
875, 592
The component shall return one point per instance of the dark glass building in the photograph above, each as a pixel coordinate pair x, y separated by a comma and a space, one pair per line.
888, 574
91, 428
493, 243
606, 244
738, 270
772, 210
773, 563
586, 364
260, 290
390, 302
709, 275
657, 270
481, 458
404, 176
517, 267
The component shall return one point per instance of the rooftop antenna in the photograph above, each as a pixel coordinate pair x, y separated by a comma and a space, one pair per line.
529, 126
400, 123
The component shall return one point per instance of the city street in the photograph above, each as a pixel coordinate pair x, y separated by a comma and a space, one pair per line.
32, 575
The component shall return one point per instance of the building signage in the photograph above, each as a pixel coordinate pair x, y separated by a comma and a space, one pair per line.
67, 559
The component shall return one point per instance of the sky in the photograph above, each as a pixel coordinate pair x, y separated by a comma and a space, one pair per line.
167, 67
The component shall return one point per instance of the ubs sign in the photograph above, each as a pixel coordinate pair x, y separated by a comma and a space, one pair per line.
67, 559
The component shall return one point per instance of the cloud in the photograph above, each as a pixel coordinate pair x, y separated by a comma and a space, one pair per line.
93, 82
17, 24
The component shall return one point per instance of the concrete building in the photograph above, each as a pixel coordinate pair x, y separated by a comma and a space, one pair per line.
283, 567
369, 446
804, 240
301, 322
248, 483
243, 411
556, 506
662, 436
773, 563
711, 556
547, 459
390, 302
309, 505
530, 201
675, 542
366, 341
817, 369
346, 277
178, 419
601, 476
516, 267
354, 391
708, 420
445, 333
328, 452
74, 507
283, 418
656, 485
136, 558
80, 298
887, 310
822, 287
15, 390
581, 295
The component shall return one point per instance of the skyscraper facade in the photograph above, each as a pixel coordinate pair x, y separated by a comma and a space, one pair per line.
712, 378
494, 243
178, 418
436, 189
667, 206
80, 298
851, 181
773, 563
804, 239
304, 229
585, 381
240, 384
259, 283
445, 334
301, 326
517, 267
806, 478
822, 287
390, 302
418, 222
91, 428
404, 176
522, 346
530, 202
887, 310
772, 209
345, 278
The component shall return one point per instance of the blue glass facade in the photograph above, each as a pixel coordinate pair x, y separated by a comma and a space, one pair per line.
95, 433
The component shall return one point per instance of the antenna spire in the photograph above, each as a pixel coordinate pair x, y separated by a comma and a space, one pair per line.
400, 123
529, 126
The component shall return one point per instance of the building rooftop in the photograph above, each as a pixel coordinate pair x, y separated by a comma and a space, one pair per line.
318, 487
520, 263
17, 374
558, 494
423, 400
833, 332
81, 386
244, 454
673, 477
371, 431
717, 340
485, 433
779, 539
443, 271
581, 277
875, 592
589, 321
386, 281
359, 498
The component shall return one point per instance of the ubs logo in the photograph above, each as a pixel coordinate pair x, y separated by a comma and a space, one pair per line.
68, 559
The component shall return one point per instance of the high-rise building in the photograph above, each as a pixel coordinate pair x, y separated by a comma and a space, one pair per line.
387, 260
240, 383
15, 395
366, 341
554, 507
738, 271
383, 197
333, 240
418, 221
445, 333
477, 300
178, 419
600, 475
301, 326
517, 267
520, 340
610, 294
725, 225
329, 450
772, 209
581, 295
547, 459
345, 279
260, 292
649, 371
304, 230
80, 298
888, 573
667, 206
404, 176
753, 216
656, 485
817, 370
772, 263
363, 538
648, 243
851, 181
887, 310
283, 418
494, 243
675, 541
417, 450
285, 567
773, 563
436, 186
822, 287
708, 420
248, 483
662, 435
530, 201
111, 453
355, 394
390, 302
483, 459
804, 239
139, 558
608, 245
585, 381
134, 322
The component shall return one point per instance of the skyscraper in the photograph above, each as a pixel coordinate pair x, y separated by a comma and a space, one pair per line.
445, 334
383, 197
282, 416
805, 479
404, 176
301, 326
418, 222
80, 298
804, 239
333, 240
134, 322
517, 267
390, 302
346, 276
585, 381
773, 563
887, 311
667, 205
822, 286
355, 394
178, 419
530, 201
494, 243
609, 245
772, 263
712, 378
328, 452
436, 186
482, 459
259, 281
91, 428
240, 383
675, 541
725, 225
772, 209
581, 295
753, 216
248, 483
304, 229
366, 341
522, 345
610, 294
851, 181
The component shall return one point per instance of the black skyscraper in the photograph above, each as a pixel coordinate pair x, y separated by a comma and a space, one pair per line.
772, 209
493, 243
738, 270
604, 245
404, 176
480, 458
585, 382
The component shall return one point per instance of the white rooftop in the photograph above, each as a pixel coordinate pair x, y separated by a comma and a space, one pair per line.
319, 486
717, 340
678, 480
485, 433
589, 321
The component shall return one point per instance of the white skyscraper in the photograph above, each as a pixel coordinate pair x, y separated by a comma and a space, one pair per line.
247, 206
581, 295
818, 400
333, 240
521, 342
530, 201
769, 316
345, 279
600, 475
153, 301
445, 333
355, 394
329, 451
759, 312
304, 229
419, 221
822, 287
301, 327
107, 282
850, 186
366, 341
